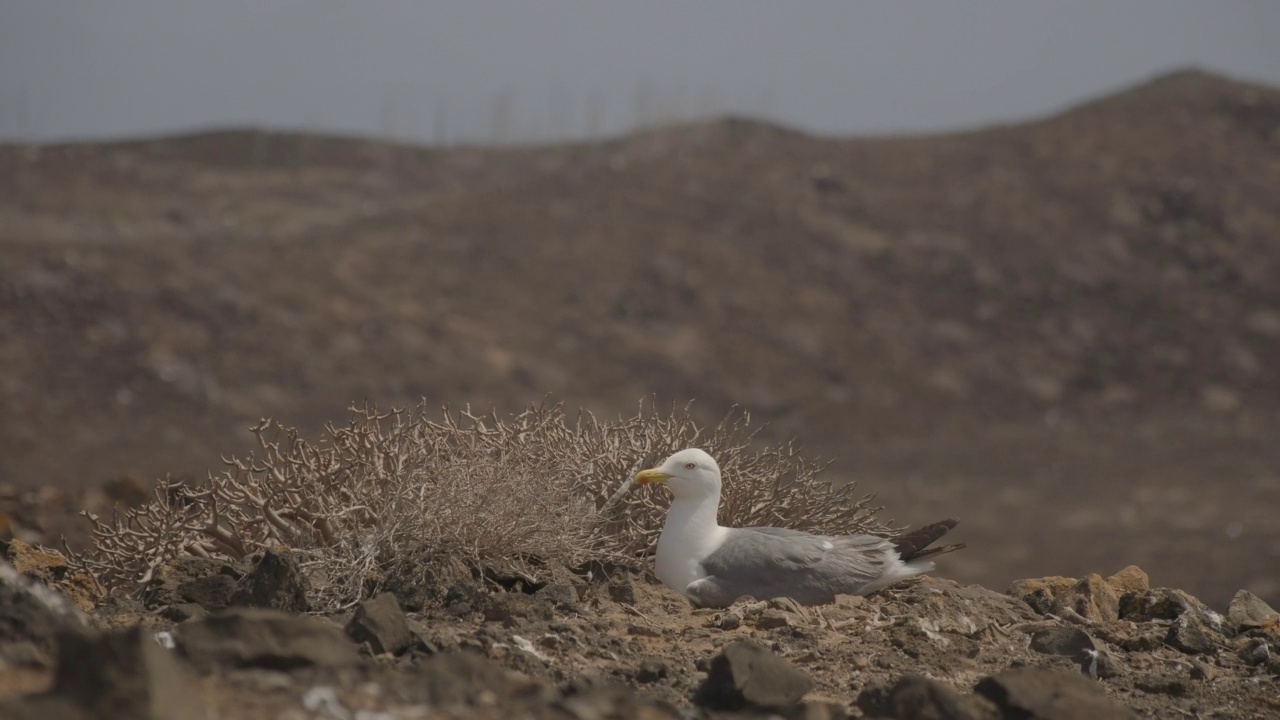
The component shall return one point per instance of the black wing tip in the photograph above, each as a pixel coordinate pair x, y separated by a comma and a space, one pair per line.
912, 545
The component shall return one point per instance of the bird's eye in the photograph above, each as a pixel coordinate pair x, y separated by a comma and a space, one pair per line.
689, 466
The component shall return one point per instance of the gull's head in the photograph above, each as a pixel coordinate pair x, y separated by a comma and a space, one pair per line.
688, 474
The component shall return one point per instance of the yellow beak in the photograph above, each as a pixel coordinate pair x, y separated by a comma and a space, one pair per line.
652, 475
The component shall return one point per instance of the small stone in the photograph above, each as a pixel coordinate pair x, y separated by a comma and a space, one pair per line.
729, 621
175, 582
511, 608
1254, 652
212, 592
622, 591
1091, 598
182, 612
748, 675
562, 596
845, 608
1080, 646
1248, 611
1130, 579
1190, 636
1202, 671
652, 669
1032, 694
1144, 642
381, 623
464, 597
772, 619
1039, 593
1160, 604
275, 582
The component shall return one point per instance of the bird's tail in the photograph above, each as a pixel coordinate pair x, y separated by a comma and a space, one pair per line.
912, 546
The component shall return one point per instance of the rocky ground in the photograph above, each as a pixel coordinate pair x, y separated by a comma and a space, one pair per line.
214, 639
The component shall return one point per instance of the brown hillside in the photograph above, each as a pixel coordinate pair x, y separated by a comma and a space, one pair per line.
1063, 332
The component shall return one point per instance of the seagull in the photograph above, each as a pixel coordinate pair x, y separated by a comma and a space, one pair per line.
714, 566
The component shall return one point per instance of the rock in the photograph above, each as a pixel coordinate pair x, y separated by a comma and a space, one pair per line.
729, 621
1162, 604
213, 592
176, 582
652, 669
1080, 646
31, 612
511, 608
1130, 579
124, 674
1254, 652
253, 637
943, 606
845, 608
622, 590
464, 597
562, 596
183, 612
914, 697
1248, 611
51, 568
1091, 598
275, 582
745, 675
1032, 694
1039, 593
1189, 635
772, 619
381, 623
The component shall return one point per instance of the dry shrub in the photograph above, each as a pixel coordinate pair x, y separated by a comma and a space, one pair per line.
396, 500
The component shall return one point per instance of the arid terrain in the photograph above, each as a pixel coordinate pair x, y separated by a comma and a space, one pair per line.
1064, 333
212, 639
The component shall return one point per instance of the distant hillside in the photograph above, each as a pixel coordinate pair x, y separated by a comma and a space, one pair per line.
899, 302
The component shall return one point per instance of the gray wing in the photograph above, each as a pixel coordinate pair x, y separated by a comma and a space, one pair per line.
776, 562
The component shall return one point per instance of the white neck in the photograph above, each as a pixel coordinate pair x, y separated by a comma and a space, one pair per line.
689, 535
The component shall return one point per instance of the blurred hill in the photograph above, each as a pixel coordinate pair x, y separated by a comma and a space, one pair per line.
1064, 332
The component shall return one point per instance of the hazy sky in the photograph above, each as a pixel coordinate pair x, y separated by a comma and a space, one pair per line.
484, 70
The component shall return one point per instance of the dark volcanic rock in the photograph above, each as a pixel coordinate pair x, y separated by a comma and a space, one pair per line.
381, 623
177, 582
748, 675
32, 613
1189, 635
250, 637
125, 674
1080, 646
275, 582
561, 595
1161, 604
918, 698
212, 592
1031, 694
